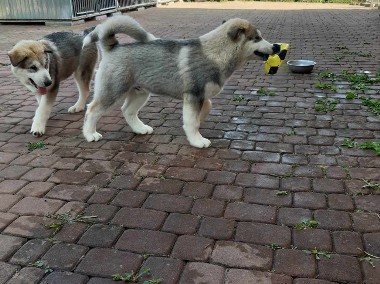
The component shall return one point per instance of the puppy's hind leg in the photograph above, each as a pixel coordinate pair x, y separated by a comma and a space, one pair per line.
205, 110
134, 101
102, 100
83, 80
192, 120
83, 75
94, 112
84, 93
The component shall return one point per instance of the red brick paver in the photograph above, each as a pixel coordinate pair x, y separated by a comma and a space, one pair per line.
78, 212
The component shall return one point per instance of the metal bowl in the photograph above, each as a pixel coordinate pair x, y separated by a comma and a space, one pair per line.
301, 66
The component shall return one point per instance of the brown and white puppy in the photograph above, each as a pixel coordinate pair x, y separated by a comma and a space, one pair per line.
41, 65
193, 70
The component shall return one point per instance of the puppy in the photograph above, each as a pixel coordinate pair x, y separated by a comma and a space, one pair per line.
41, 65
193, 70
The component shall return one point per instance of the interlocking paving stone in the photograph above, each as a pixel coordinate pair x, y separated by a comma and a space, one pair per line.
263, 234
139, 218
144, 241
8, 245
274, 162
65, 277
346, 242
331, 219
311, 281
70, 233
166, 269
371, 274
27, 275
30, 226
294, 263
217, 228
330, 268
7, 201
365, 222
250, 212
181, 223
198, 272
6, 219
372, 243
36, 206
70, 192
293, 216
235, 254
30, 251
11, 186
36, 189
192, 248
208, 207
169, 203
100, 235
6, 271
64, 256
312, 238
106, 262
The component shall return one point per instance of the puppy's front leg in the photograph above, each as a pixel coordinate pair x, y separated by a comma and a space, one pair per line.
45, 105
191, 122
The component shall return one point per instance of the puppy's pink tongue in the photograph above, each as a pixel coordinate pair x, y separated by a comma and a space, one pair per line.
42, 90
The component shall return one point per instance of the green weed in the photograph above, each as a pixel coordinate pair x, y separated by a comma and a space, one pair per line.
370, 185
325, 105
133, 277
36, 145
307, 224
328, 75
266, 92
369, 258
238, 98
281, 192
317, 253
42, 265
274, 246
351, 96
291, 133
372, 104
357, 53
351, 143
375, 145
68, 218
324, 86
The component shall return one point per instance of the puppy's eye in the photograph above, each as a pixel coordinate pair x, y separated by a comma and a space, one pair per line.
33, 68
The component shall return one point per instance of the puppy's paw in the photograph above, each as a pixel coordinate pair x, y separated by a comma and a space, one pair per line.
200, 142
93, 136
37, 130
145, 129
76, 108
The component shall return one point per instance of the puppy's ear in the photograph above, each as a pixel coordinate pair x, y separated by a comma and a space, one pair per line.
16, 57
46, 46
224, 21
235, 32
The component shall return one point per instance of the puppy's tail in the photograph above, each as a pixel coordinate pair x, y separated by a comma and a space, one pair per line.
105, 33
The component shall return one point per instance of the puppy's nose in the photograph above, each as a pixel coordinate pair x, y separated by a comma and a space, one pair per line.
47, 83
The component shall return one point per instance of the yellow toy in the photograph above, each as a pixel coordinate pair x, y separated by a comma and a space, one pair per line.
273, 62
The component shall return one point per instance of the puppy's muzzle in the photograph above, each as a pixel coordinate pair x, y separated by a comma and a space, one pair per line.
264, 56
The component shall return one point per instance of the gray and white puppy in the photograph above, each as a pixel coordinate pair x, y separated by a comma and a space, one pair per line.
193, 70
42, 64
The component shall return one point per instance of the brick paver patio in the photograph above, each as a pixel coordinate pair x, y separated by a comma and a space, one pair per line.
227, 214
